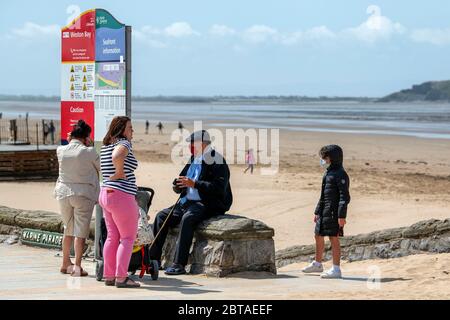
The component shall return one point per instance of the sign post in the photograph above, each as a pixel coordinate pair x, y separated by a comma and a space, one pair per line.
95, 77
95, 72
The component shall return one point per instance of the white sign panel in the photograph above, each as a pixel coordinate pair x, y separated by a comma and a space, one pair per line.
77, 81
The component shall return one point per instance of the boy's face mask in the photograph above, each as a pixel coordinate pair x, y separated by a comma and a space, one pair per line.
324, 164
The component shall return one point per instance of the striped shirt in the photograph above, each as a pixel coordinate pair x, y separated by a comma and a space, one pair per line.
127, 185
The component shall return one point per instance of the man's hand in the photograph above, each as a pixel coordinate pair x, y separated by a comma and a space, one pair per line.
185, 182
69, 137
316, 218
341, 222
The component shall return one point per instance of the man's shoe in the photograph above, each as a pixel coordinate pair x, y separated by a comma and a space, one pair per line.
331, 274
175, 269
313, 267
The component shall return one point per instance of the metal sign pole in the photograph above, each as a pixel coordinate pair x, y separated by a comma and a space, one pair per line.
128, 70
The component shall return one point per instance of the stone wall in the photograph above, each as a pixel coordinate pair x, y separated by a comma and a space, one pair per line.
227, 244
425, 236
13, 220
222, 245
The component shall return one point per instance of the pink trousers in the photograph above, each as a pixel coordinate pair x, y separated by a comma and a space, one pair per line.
121, 215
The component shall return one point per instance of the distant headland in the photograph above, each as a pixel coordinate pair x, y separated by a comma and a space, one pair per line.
431, 91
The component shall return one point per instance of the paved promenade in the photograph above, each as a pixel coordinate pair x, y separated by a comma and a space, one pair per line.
33, 273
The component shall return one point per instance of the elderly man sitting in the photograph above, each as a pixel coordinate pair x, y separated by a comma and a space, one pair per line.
205, 192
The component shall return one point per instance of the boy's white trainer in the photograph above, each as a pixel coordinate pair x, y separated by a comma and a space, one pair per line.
313, 267
332, 273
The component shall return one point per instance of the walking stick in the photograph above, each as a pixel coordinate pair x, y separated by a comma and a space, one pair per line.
164, 223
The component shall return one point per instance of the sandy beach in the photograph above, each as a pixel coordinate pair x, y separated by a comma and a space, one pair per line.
395, 181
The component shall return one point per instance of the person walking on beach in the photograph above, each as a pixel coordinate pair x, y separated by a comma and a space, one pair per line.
249, 160
12, 130
147, 125
77, 190
205, 192
180, 126
331, 211
52, 131
117, 198
45, 130
160, 127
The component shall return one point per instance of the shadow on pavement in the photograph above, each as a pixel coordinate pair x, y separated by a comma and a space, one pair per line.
361, 279
172, 284
259, 276
382, 280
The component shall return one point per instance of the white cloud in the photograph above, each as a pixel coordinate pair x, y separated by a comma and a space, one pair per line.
180, 29
259, 34
376, 27
313, 34
160, 38
32, 30
221, 30
319, 33
146, 38
439, 37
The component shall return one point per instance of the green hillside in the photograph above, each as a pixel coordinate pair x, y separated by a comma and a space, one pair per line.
428, 91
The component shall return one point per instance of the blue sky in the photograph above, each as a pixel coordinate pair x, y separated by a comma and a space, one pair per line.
204, 47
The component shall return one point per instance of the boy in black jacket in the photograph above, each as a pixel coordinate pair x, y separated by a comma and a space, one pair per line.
331, 211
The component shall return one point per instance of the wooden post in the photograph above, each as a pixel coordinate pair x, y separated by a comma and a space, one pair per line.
28, 134
13, 125
37, 135
43, 135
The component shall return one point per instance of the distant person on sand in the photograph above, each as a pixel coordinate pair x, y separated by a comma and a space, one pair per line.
46, 130
331, 211
160, 127
147, 125
52, 131
249, 160
180, 126
77, 190
12, 131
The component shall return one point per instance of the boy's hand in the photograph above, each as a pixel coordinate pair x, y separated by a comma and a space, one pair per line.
316, 217
341, 222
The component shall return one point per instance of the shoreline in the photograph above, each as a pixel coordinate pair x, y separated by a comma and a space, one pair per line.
327, 117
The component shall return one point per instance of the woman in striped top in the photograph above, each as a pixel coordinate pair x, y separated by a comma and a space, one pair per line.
117, 199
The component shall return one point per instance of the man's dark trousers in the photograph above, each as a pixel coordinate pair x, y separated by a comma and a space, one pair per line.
188, 215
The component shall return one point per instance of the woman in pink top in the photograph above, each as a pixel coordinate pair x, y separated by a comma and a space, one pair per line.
249, 160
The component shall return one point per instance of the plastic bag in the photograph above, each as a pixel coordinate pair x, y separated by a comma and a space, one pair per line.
145, 230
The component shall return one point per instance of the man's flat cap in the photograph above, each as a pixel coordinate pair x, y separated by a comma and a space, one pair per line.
201, 135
